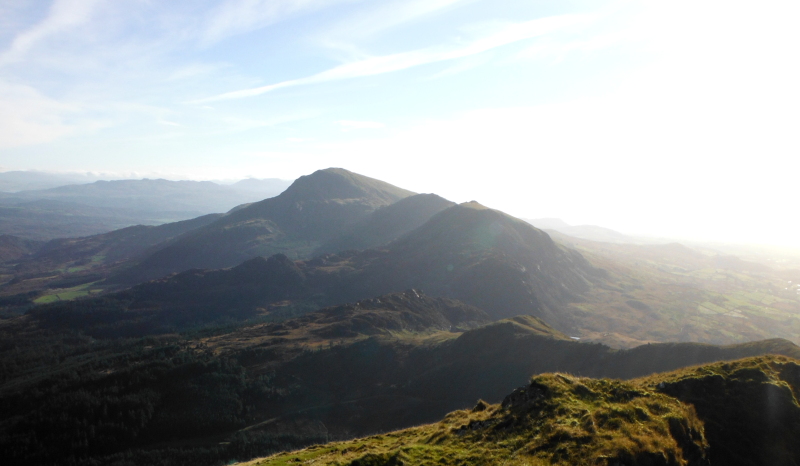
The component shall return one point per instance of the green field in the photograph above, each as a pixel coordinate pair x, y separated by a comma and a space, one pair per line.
67, 294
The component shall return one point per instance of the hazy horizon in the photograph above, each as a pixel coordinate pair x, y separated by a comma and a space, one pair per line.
673, 120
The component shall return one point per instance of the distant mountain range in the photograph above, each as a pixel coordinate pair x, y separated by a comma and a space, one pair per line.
26, 180
101, 206
590, 232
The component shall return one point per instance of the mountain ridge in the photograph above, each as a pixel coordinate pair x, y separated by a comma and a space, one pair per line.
294, 222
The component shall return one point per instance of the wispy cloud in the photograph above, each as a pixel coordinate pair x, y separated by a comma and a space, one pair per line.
27, 117
509, 34
239, 16
63, 15
382, 16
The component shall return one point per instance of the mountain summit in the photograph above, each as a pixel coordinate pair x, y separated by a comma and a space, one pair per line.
315, 209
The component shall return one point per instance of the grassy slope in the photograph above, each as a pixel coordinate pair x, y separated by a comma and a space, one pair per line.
736, 413
556, 420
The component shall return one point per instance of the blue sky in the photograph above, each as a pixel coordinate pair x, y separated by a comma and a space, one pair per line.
675, 118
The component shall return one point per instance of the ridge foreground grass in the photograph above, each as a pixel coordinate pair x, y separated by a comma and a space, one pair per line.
733, 413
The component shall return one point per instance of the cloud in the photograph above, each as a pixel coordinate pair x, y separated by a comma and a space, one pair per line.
349, 125
382, 16
63, 15
239, 16
27, 117
509, 34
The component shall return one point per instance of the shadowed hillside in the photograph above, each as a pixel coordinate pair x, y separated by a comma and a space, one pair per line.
314, 209
72, 381
467, 252
486, 258
71, 267
107, 248
388, 223
13, 248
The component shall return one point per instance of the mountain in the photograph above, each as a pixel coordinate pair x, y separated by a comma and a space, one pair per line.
621, 294
158, 195
43, 219
591, 232
481, 256
388, 223
467, 252
315, 209
87, 209
739, 413
22, 180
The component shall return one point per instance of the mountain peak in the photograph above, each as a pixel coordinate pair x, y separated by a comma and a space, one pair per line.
314, 210
338, 183
474, 205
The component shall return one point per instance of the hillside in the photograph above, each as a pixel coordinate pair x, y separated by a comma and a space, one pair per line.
555, 420
315, 209
91, 208
107, 248
388, 223
204, 383
45, 219
67, 266
477, 255
486, 258
739, 413
14, 248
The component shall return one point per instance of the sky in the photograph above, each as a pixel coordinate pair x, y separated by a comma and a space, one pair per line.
674, 118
